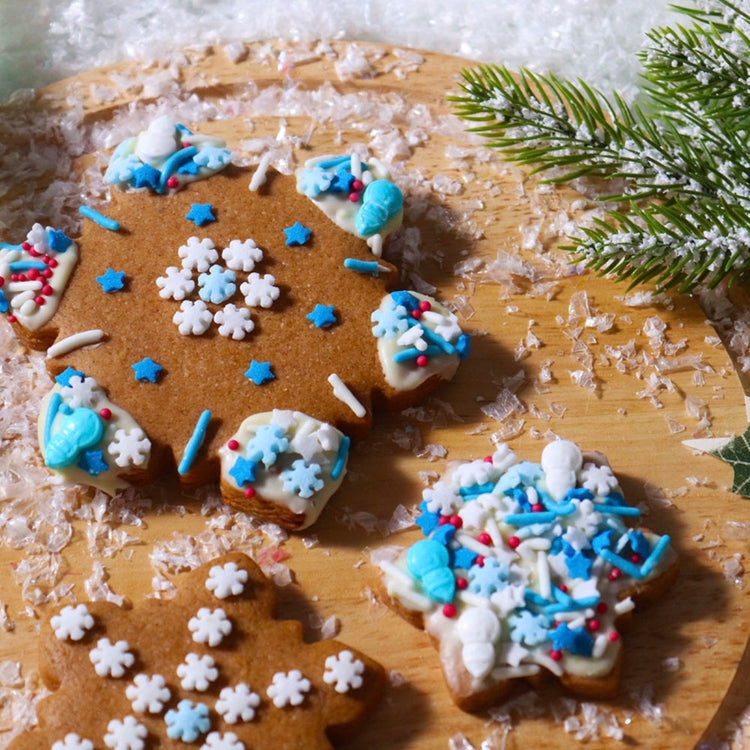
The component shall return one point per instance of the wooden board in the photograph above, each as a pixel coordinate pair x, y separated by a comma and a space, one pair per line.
704, 622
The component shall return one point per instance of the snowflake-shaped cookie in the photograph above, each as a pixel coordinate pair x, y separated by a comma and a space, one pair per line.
242, 255
72, 741
197, 672
598, 479
226, 580
127, 734
288, 688
219, 741
302, 478
344, 672
177, 283
148, 694
130, 447
234, 321
260, 291
111, 658
80, 391
193, 318
217, 285
209, 626
237, 703
198, 254
72, 622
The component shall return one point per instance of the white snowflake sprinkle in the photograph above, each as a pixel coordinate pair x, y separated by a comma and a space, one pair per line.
129, 447
219, 741
445, 325
260, 291
73, 741
80, 391
441, 498
111, 658
37, 236
177, 283
197, 672
72, 622
198, 254
343, 671
237, 703
242, 256
598, 479
234, 321
148, 693
193, 318
288, 688
209, 626
127, 734
328, 437
226, 580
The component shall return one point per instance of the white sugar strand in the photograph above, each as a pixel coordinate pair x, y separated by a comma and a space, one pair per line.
259, 176
76, 341
342, 393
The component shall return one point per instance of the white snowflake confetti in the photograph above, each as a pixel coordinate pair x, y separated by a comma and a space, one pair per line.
242, 256
209, 626
260, 291
598, 479
306, 445
197, 672
73, 741
288, 688
441, 499
328, 437
72, 622
218, 741
237, 703
198, 254
80, 391
445, 325
127, 734
193, 318
129, 447
37, 236
148, 693
234, 321
177, 283
343, 671
473, 472
111, 658
226, 580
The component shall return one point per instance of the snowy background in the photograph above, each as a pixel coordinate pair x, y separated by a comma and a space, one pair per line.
44, 40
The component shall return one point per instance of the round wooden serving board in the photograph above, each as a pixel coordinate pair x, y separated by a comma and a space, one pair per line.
686, 654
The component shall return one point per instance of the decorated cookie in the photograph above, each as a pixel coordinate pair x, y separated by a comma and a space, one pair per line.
210, 669
528, 569
234, 329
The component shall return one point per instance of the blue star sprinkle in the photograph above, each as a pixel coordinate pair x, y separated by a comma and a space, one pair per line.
64, 377
303, 478
428, 522
488, 579
187, 722
189, 167
297, 234
529, 628
243, 471
259, 372
406, 300
579, 565
111, 281
146, 176
323, 316
603, 540
576, 641
266, 444
444, 533
639, 543
58, 240
463, 558
93, 463
146, 370
342, 181
201, 213
217, 285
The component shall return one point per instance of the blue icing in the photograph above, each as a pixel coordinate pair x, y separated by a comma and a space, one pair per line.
427, 561
579, 493
78, 430
381, 201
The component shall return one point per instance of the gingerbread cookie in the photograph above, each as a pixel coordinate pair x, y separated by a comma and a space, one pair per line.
239, 326
210, 668
527, 569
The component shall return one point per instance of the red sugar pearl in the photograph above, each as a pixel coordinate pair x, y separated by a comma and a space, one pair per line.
172, 182
443, 520
47, 273
602, 607
39, 300
14, 277
187, 144
105, 413
424, 305
52, 263
479, 561
33, 253
416, 314
354, 197
594, 625
484, 538
12, 319
635, 558
47, 290
449, 610
456, 521
33, 274
614, 574
2, 281
513, 542
614, 636
563, 588
461, 583
26, 246
555, 655
487, 459
233, 445
422, 360
249, 492
537, 508
22, 277
357, 185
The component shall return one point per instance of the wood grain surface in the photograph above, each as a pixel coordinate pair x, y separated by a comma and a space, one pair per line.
704, 622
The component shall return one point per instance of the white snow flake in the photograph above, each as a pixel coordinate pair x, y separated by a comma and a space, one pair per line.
80, 391
73, 741
111, 658
234, 321
127, 734
242, 256
192, 318
209, 626
288, 688
219, 741
198, 254
343, 671
237, 703
260, 291
597, 479
130, 447
441, 498
445, 325
197, 672
148, 693
177, 284
72, 622
37, 236
226, 580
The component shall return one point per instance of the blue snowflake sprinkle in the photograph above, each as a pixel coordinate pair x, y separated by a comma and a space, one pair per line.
266, 444
314, 181
303, 479
213, 157
529, 628
390, 321
122, 170
525, 473
217, 285
488, 579
187, 722
576, 641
